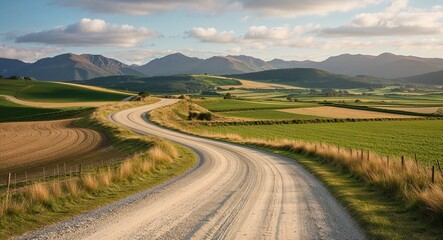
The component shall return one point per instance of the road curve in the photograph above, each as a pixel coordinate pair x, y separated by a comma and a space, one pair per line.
235, 192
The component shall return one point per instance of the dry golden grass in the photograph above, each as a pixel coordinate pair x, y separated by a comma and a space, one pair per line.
408, 181
56, 189
72, 187
336, 112
39, 192
105, 177
90, 182
126, 169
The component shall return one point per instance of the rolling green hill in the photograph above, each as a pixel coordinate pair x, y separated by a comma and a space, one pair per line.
312, 78
54, 92
169, 84
433, 78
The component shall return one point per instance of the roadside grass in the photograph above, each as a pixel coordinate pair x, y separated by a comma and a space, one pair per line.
151, 161
11, 112
379, 216
54, 92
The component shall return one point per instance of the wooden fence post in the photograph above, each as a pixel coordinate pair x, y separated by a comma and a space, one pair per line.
351, 151
387, 160
402, 162
8, 182
368, 155
362, 154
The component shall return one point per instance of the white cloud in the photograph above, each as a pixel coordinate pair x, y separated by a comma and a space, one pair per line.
236, 50
276, 8
398, 19
212, 35
260, 37
139, 7
263, 32
28, 54
93, 32
294, 8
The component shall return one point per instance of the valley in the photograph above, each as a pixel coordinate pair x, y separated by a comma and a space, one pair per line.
214, 119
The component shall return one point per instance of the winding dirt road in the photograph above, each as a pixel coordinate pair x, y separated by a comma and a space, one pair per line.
235, 192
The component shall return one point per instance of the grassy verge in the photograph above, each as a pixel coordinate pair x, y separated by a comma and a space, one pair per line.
379, 192
380, 217
150, 162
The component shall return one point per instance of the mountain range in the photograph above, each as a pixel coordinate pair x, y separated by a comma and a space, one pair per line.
67, 67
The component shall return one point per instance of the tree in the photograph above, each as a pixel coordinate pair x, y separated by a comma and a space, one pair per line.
357, 101
228, 96
289, 99
143, 95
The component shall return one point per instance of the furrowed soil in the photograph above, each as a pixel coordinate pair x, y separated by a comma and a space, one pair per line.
58, 147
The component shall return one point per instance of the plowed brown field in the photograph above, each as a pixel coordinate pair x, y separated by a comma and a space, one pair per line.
55, 146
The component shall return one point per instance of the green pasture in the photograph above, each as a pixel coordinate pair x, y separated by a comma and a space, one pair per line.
394, 138
53, 92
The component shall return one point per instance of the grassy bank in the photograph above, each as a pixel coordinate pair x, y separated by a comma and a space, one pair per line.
10, 112
375, 189
54, 92
150, 161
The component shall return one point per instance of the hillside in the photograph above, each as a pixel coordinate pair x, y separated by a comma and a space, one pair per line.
161, 84
9, 67
386, 65
178, 63
54, 92
433, 78
311, 78
172, 64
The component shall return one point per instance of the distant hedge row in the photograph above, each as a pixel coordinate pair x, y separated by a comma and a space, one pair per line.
366, 108
310, 121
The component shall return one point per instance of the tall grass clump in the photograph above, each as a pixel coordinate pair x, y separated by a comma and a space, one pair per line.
39, 192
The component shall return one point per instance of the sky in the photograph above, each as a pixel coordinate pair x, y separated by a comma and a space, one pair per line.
137, 31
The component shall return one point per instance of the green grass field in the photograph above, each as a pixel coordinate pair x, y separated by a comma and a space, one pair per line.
9, 110
53, 92
216, 81
267, 114
394, 138
225, 105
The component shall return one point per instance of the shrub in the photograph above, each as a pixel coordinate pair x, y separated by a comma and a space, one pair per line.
228, 96
207, 116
